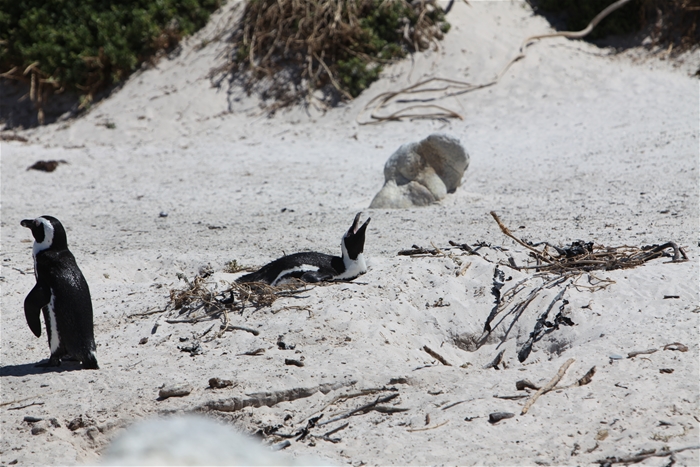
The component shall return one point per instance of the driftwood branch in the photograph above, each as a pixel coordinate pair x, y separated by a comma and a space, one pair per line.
435, 355
640, 352
413, 430
508, 233
327, 436
269, 399
27, 405
380, 400
231, 327
608, 461
540, 324
547, 387
495, 362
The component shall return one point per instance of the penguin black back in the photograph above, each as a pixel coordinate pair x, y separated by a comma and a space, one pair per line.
61, 294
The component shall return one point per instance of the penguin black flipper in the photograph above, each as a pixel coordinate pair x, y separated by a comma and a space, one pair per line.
37, 299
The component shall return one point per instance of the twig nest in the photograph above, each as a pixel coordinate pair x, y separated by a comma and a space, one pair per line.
419, 174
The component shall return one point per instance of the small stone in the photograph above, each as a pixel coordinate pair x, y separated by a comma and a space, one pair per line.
32, 419
218, 383
524, 383
143, 340
175, 390
601, 435
666, 370
615, 356
92, 433
55, 423
194, 349
399, 380
498, 416
163, 214
77, 422
38, 430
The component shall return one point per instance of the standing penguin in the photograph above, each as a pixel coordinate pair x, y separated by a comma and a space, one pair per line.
317, 267
62, 293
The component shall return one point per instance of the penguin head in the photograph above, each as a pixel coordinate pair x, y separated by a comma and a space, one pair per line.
353, 243
48, 232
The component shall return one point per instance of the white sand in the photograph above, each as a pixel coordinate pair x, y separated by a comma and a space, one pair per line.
575, 143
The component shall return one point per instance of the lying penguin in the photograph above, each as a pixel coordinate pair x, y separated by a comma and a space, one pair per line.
317, 267
61, 293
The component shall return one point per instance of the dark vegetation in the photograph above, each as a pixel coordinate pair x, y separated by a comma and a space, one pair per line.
287, 49
82, 47
671, 23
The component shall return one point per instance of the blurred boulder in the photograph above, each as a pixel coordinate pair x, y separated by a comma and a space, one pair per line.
192, 440
419, 174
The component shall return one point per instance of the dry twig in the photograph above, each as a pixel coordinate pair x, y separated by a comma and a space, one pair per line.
547, 387
608, 461
436, 355
364, 408
413, 430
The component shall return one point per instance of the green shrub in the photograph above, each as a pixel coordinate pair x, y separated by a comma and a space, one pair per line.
285, 49
670, 21
88, 45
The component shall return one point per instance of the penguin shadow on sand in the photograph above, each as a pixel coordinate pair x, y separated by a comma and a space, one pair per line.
62, 296
26, 369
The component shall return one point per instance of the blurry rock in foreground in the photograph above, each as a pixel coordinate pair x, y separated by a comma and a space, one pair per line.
192, 440
419, 174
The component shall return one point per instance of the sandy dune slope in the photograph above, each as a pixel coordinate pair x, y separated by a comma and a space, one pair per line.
575, 142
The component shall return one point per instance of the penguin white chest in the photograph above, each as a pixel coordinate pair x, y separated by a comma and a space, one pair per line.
353, 268
54, 339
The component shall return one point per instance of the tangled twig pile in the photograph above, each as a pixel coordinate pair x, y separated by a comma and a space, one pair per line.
201, 301
584, 257
287, 49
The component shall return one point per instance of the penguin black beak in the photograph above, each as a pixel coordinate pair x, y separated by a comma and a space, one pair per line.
362, 229
28, 223
354, 229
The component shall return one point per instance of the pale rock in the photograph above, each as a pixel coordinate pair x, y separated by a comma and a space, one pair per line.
419, 174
